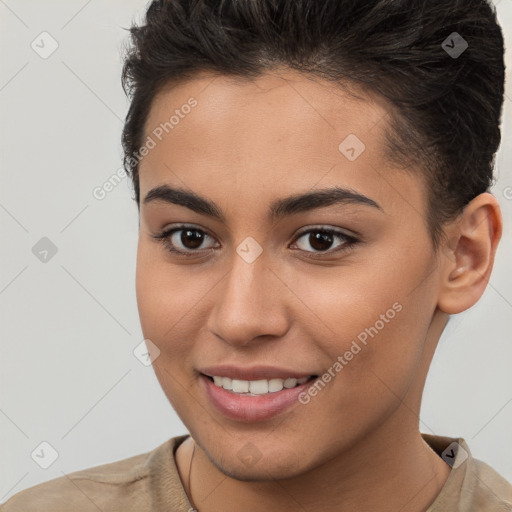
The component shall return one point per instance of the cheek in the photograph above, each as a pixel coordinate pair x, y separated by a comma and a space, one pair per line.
165, 302
375, 319
170, 301
161, 298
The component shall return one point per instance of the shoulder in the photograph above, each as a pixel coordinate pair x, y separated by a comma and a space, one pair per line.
117, 486
491, 490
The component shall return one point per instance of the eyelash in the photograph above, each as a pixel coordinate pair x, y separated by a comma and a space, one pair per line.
349, 241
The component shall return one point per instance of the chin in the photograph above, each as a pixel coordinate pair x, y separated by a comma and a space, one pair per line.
247, 465
260, 472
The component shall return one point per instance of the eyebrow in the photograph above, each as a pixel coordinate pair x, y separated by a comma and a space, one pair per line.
278, 209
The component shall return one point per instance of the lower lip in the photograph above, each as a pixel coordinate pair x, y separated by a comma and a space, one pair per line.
252, 408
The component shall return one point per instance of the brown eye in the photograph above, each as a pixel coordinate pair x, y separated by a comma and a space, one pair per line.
322, 240
184, 240
191, 238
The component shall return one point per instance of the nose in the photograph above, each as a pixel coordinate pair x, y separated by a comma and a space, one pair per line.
250, 305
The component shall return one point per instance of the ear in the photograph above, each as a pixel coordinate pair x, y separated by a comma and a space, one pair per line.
468, 256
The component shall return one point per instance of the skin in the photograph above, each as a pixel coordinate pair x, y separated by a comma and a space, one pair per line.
246, 144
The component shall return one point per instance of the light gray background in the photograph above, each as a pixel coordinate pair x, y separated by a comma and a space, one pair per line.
69, 326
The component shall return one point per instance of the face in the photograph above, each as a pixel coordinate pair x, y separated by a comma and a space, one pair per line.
257, 283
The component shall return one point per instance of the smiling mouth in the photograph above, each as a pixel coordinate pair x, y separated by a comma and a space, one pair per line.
257, 387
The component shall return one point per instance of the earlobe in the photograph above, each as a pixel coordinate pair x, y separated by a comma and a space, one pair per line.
467, 265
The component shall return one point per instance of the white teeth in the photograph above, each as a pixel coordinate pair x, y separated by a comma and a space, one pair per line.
290, 382
240, 386
257, 387
275, 385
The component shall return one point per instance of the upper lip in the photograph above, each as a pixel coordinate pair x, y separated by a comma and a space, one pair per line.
253, 372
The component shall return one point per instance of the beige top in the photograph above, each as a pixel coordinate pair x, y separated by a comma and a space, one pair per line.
150, 482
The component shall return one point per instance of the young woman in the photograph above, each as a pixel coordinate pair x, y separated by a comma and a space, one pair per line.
312, 178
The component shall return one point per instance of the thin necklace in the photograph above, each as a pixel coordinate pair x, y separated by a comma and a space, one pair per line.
189, 473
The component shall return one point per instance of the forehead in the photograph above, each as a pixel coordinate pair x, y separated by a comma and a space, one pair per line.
274, 101
282, 130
